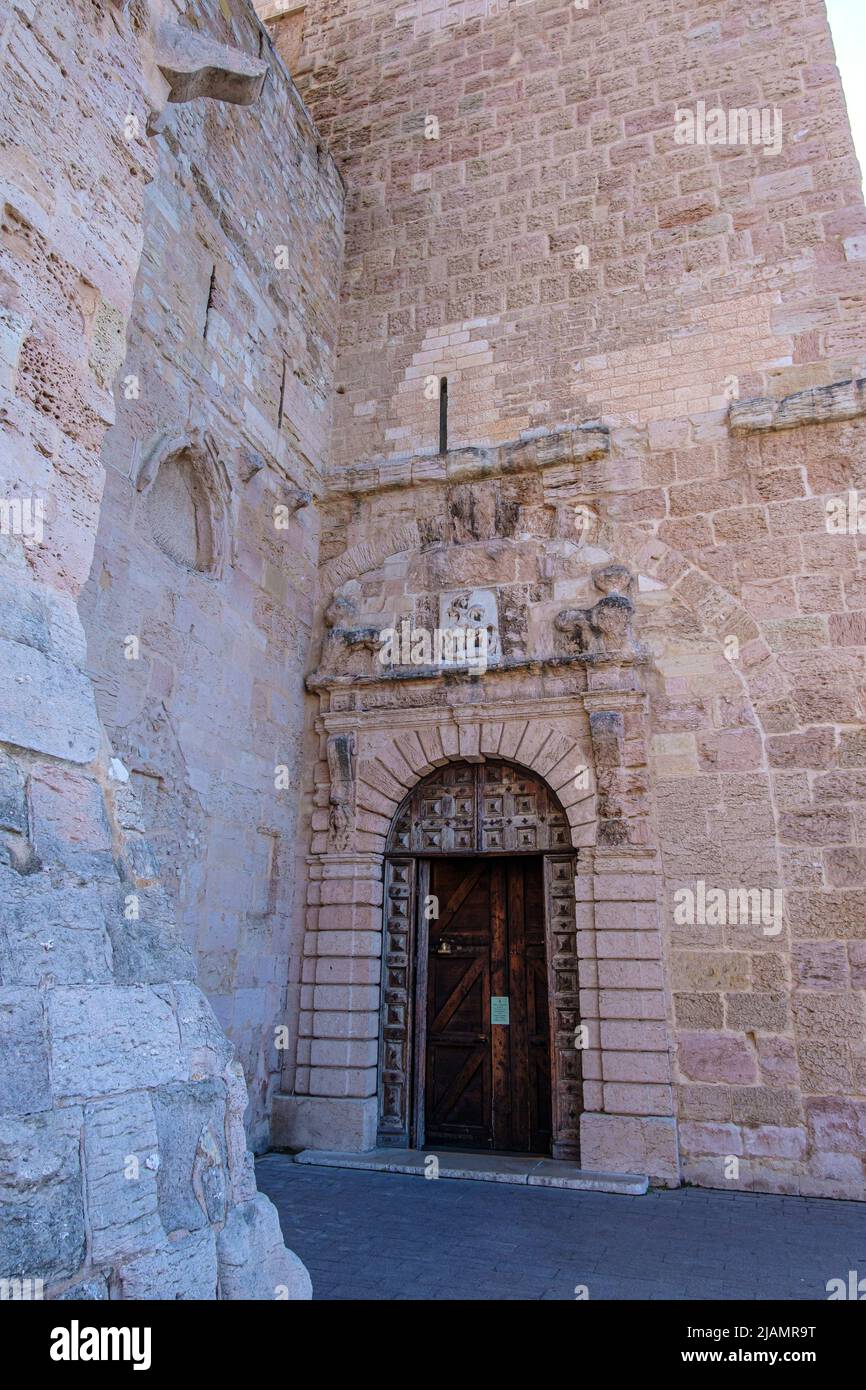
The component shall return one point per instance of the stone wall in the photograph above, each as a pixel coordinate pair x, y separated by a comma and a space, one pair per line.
553, 250
207, 546
124, 1170
523, 220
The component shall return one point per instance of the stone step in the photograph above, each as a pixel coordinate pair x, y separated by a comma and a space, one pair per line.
529, 1170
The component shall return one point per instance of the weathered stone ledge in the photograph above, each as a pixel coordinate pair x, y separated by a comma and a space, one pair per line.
319, 680
843, 400
572, 444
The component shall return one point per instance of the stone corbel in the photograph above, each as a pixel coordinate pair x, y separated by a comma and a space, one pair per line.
250, 463
181, 65
195, 66
341, 750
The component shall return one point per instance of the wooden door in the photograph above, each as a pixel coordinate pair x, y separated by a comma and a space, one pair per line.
487, 1080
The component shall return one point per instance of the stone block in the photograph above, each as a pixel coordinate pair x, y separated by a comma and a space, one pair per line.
13, 806
820, 964
837, 1125
52, 932
324, 1122
42, 1225
630, 1144
759, 1105
704, 1138
716, 1057
108, 1039
777, 1059
121, 1155
253, 1262
25, 1085
192, 1178
70, 824
752, 1011
147, 948
47, 705
775, 1141
184, 1269
823, 1015
204, 1046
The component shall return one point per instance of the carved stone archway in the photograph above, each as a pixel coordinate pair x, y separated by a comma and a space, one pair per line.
465, 809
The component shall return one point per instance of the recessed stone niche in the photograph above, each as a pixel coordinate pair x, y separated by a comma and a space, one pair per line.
187, 512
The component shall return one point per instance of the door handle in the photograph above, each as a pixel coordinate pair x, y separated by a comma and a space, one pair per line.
482, 1037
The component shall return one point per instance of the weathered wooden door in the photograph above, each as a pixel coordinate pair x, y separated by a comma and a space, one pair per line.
487, 1044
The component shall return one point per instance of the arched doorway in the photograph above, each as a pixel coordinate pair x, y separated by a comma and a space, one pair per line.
480, 1008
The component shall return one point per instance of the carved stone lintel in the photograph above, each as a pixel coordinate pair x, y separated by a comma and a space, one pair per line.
341, 767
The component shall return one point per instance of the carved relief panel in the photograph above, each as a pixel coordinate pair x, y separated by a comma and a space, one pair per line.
398, 949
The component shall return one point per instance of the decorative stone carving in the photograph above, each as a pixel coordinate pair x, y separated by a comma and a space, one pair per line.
348, 647
604, 631
341, 767
472, 608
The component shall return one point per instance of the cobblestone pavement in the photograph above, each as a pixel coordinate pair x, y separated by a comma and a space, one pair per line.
379, 1235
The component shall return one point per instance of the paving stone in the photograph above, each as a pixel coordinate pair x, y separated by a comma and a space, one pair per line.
355, 1229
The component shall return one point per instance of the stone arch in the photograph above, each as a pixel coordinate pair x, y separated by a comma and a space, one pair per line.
481, 806
718, 612
392, 763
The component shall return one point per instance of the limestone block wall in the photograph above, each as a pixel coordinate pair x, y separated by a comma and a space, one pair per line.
523, 221
207, 546
124, 1169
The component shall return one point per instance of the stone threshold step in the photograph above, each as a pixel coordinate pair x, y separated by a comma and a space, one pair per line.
529, 1170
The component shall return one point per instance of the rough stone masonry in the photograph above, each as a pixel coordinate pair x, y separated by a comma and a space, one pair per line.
229, 303
124, 1165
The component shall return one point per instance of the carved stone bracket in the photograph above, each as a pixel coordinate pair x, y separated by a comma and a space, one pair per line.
341, 749
604, 631
196, 66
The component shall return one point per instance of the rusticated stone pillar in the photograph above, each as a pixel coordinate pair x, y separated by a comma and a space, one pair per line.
628, 1120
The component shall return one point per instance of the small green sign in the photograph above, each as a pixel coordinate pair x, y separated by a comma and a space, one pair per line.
499, 1008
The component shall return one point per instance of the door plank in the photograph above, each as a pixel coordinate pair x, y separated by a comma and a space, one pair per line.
457, 995
458, 898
